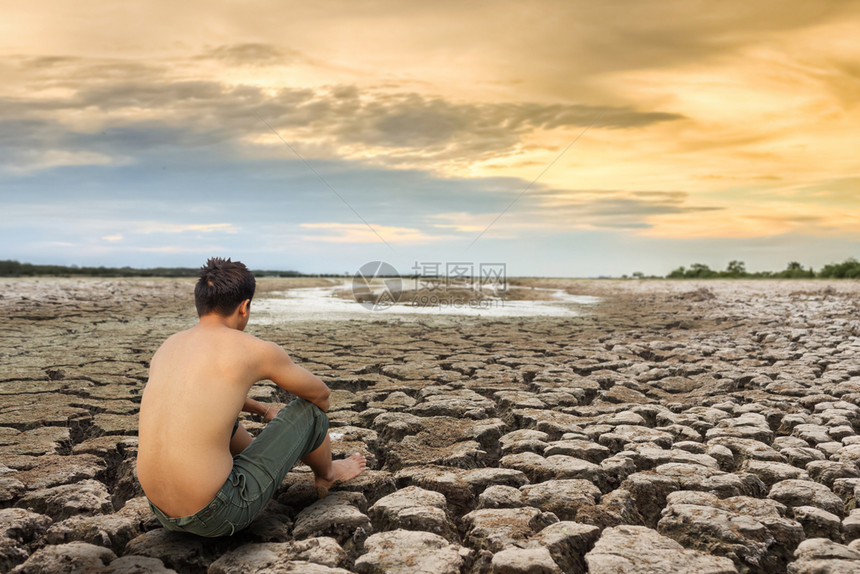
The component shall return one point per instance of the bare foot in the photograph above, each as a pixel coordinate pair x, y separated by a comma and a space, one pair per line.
341, 470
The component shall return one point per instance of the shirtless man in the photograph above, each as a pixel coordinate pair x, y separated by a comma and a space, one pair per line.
202, 472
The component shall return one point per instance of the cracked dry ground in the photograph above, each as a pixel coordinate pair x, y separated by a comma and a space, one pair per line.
676, 427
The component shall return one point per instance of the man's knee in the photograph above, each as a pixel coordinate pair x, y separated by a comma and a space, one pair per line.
319, 423
313, 420
309, 406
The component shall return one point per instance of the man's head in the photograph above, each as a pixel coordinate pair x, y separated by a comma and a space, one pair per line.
223, 286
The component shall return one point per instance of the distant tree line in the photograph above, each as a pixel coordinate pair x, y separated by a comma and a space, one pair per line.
10, 268
848, 269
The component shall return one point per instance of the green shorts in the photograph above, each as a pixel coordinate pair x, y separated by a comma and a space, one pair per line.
299, 428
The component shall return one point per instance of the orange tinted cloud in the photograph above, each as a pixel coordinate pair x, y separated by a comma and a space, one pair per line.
745, 108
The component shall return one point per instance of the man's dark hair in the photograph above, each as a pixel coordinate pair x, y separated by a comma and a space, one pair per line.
222, 286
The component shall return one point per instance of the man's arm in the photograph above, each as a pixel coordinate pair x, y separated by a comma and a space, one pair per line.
258, 408
289, 376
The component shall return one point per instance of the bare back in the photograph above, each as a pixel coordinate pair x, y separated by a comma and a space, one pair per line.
197, 385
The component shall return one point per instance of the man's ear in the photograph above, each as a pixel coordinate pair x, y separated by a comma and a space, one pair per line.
245, 307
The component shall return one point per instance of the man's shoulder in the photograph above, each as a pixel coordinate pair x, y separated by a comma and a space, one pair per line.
174, 339
252, 342
233, 336
248, 337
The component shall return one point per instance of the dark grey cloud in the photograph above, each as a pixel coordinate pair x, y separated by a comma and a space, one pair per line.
76, 73
27, 132
630, 34
609, 209
667, 196
124, 97
569, 37
154, 97
619, 206
437, 125
567, 49
659, 34
49, 62
251, 54
789, 218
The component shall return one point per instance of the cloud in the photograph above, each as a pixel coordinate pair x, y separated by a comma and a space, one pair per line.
843, 191
758, 219
613, 209
411, 126
148, 227
251, 54
360, 233
547, 210
462, 221
112, 238
124, 108
672, 32
43, 77
25, 161
178, 249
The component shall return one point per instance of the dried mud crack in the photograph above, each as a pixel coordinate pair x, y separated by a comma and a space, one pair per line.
674, 427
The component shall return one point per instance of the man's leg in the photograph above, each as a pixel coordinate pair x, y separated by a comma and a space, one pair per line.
298, 432
240, 440
328, 471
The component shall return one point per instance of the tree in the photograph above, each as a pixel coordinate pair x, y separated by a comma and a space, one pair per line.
10, 268
736, 268
699, 271
795, 270
848, 269
677, 273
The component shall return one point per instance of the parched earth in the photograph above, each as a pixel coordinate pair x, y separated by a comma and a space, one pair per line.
674, 427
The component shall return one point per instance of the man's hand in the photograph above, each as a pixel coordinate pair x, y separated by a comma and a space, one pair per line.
258, 408
270, 413
323, 404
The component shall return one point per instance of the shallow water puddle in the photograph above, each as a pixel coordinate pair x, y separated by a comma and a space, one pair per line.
322, 303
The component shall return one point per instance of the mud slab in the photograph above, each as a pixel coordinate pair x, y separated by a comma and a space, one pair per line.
674, 423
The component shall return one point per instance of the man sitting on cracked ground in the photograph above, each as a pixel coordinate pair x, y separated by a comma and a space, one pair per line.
201, 471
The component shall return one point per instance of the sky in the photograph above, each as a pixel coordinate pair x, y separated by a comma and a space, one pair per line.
559, 138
